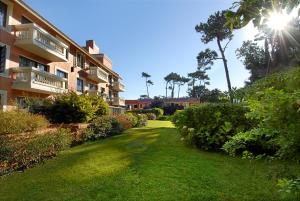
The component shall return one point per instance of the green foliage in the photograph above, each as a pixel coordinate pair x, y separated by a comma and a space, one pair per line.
102, 127
142, 120
18, 121
151, 116
254, 59
157, 111
73, 108
289, 186
212, 124
274, 104
21, 152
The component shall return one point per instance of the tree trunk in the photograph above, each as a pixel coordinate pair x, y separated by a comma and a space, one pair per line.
178, 90
226, 69
147, 87
167, 89
173, 87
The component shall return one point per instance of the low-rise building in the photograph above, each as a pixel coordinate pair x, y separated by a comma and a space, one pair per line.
38, 60
144, 103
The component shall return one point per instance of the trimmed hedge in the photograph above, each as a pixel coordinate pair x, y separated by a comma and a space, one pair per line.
18, 121
18, 152
209, 126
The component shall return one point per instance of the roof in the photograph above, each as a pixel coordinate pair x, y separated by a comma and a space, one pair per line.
29, 9
167, 100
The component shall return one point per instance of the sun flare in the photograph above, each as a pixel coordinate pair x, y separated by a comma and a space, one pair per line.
278, 21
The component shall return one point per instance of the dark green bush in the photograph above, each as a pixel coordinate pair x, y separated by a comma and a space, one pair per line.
70, 108
274, 103
18, 121
170, 109
102, 127
21, 152
210, 125
151, 116
157, 111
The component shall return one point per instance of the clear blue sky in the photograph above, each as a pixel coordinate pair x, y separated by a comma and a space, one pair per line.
153, 36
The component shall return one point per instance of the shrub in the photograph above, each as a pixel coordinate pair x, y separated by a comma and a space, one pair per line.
124, 121
18, 153
164, 118
157, 111
103, 127
142, 120
18, 121
172, 108
151, 116
70, 108
274, 103
211, 125
133, 119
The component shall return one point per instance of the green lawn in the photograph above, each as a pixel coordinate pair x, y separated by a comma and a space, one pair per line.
144, 164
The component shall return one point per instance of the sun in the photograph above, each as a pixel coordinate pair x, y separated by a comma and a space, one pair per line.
278, 21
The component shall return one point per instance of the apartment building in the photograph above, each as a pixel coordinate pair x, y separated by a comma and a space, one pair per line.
38, 60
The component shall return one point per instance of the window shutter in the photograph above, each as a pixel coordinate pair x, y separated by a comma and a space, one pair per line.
2, 58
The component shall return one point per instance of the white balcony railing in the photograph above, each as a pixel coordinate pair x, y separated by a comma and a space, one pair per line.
118, 101
97, 74
118, 86
38, 41
34, 80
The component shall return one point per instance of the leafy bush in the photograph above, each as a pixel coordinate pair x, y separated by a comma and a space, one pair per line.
102, 127
142, 120
274, 103
289, 185
151, 116
21, 152
165, 118
170, 109
157, 111
124, 121
17, 121
133, 119
70, 108
210, 125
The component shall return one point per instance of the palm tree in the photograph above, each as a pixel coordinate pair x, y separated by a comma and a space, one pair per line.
146, 76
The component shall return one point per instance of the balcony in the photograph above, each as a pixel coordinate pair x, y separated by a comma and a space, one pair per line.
118, 86
97, 74
33, 80
117, 101
38, 41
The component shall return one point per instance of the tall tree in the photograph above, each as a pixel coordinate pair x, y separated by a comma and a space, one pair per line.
171, 80
215, 29
200, 76
254, 59
182, 81
146, 76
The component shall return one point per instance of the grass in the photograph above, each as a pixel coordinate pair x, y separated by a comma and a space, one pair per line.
145, 164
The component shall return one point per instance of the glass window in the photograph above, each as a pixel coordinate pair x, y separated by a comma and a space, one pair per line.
21, 102
79, 85
24, 20
25, 62
2, 58
79, 60
93, 86
61, 74
3, 13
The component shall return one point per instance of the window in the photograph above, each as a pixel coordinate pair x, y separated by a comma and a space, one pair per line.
2, 58
79, 85
79, 60
24, 20
93, 86
25, 62
61, 74
3, 14
67, 54
21, 102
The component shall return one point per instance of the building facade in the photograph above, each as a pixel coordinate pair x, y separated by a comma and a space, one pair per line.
38, 60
